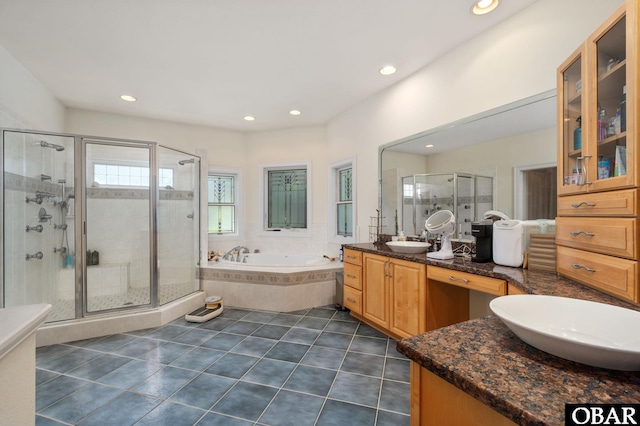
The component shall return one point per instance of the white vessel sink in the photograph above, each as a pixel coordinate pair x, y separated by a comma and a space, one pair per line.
408, 246
591, 333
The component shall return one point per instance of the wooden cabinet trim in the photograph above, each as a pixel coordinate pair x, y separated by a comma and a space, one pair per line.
353, 256
613, 236
353, 300
470, 281
606, 273
353, 276
612, 203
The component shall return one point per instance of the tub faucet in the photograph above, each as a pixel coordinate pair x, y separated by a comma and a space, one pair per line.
234, 253
242, 250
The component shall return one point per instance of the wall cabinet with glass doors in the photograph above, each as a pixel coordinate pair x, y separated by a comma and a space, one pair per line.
597, 111
598, 197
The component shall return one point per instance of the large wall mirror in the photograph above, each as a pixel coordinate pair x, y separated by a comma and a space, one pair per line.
503, 159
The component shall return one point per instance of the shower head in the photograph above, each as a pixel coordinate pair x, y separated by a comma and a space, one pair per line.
189, 161
51, 145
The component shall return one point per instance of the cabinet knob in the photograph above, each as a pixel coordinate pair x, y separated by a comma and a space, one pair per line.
351, 276
351, 300
464, 280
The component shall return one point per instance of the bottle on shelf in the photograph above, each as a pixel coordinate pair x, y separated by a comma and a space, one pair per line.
577, 135
602, 124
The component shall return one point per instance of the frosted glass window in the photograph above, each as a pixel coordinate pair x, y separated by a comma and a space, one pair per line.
344, 204
119, 175
287, 198
222, 207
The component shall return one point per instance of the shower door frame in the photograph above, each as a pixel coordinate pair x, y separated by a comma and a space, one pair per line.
82, 302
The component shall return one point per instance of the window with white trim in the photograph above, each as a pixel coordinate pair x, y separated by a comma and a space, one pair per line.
344, 203
222, 203
341, 201
286, 196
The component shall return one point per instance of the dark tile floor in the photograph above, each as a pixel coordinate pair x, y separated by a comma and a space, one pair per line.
310, 367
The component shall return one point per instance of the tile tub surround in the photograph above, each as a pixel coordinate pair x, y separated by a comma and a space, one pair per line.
311, 367
486, 360
281, 289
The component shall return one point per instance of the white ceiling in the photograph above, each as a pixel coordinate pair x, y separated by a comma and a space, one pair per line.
212, 62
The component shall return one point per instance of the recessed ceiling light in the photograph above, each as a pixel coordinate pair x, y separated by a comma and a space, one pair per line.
128, 98
483, 7
429, 146
294, 112
387, 70
249, 117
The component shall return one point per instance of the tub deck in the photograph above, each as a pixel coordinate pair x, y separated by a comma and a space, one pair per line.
278, 289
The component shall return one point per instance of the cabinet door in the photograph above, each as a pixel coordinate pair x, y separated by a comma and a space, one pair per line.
611, 63
375, 294
572, 134
408, 301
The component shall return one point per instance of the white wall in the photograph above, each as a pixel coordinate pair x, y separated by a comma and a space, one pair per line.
24, 102
281, 146
516, 59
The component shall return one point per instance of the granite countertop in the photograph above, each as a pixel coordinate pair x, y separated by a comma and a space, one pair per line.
486, 360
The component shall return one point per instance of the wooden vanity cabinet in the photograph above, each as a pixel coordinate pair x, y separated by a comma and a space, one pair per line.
435, 401
353, 281
394, 295
598, 180
448, 294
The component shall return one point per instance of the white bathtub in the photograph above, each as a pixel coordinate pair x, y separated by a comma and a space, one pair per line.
272, 282
278, 260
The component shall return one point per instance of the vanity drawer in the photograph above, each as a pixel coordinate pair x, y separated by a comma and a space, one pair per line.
353, 256
607, 273
353, 276
612, 203
614, 236
353, 300
466, 280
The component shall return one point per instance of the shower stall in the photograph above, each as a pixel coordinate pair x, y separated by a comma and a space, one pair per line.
467, 196
96, 225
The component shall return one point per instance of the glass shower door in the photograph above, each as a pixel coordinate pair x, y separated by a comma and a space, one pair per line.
119, 224
38, 248
178, 224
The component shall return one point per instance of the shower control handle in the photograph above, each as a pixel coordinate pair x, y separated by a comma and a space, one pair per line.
37, 255
34, 228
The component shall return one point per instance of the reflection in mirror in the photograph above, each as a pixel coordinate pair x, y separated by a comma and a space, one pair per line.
491, 144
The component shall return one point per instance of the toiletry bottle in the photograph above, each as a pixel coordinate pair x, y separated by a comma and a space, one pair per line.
602, 125
577, 135
401, 236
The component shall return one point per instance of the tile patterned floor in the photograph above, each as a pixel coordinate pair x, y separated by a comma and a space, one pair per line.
311, 367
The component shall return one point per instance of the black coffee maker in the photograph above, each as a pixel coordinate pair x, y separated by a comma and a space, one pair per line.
483, 231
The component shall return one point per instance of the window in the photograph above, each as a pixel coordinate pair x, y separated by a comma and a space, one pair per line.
222, 203
286, 203
344, 203
341, 214
122, 175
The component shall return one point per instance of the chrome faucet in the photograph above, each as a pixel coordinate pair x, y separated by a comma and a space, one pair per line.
235, 254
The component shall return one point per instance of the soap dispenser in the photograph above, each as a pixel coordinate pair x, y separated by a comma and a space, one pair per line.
401, 236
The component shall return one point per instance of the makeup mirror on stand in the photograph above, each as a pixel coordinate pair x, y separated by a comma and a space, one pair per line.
442, 223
